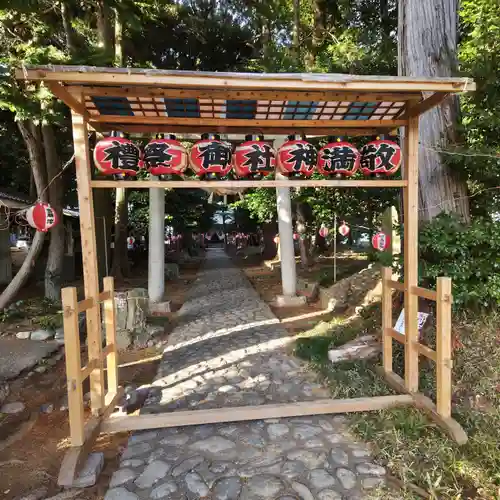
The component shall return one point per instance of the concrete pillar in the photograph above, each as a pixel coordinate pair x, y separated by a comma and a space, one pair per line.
156, 247
286, 248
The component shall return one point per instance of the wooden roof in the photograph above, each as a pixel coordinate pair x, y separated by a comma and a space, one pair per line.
147, 100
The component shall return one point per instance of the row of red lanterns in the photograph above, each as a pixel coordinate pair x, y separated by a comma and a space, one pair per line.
211, 157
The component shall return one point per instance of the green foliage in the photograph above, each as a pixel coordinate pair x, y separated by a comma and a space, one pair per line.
467, 254
50, 321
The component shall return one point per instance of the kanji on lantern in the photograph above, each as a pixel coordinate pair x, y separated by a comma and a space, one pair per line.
117, 156
381, 241
323, 231
165, 156
380, 156
41, 216
344, 229
210, 157
254, 158
340, 159
296, 157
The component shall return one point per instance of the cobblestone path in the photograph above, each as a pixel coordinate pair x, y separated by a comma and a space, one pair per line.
230, 350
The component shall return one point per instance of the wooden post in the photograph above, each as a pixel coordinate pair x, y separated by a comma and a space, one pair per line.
443, 346
109, 319
386, 319
73, 366
89, 258
410, 195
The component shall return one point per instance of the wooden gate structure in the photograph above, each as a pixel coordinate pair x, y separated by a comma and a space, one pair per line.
149, 101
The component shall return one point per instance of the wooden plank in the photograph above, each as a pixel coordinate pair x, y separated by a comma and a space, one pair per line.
75, 457
244, 123
443, 347
236, 94
396, 335
386, 319
104, 295
86, 304
87, 369
110, 322
244, 413
73, 366
428, 103
145, 128
189, 184
89, 257
71, 101
109, 349
448, 424
396, 285
126, 76
424, 292
426, 351
410, 197
392, 379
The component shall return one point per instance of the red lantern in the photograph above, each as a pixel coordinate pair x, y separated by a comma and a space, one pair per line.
380, 156
296, 157
344, 229
338, 158
117, 155
41, 216
254, 158
165, 156
323, 232
210, 157
381, 241
296, 236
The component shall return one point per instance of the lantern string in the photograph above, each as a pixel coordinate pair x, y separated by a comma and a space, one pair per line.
64, 167
459, 153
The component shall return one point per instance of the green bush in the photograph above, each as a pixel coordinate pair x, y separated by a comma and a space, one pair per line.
469, 254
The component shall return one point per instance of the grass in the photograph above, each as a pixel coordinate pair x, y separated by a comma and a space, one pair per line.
404, 439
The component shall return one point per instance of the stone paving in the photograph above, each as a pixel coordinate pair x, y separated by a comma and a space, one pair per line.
230, 350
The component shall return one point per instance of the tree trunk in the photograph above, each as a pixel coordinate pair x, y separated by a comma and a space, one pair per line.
105, 28
296, 31
32, 138
427, 35
318, 32
120, 266
118, 40
55, 260
71, 36
302, 221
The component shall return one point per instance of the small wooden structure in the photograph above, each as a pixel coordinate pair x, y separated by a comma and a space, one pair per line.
149, 101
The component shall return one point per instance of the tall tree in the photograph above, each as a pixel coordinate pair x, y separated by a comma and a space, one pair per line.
427, 46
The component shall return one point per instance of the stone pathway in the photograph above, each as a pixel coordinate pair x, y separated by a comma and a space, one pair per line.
231, 351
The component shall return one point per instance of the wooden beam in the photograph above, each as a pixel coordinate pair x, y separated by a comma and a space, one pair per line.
410, 202
145, 129
75, 457
70, 100
235, 94
244, 184
390, 332
86, 304
106, 295
424, 292
443, 347
88, 369
426, 351
386, 319
244, 413
418, 109
234, 122
448, 424
73, 366
89, 257
343, 83
396, 285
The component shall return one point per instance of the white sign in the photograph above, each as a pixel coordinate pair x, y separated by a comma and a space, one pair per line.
400, 323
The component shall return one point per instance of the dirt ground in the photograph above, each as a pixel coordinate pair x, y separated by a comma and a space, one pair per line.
32, 444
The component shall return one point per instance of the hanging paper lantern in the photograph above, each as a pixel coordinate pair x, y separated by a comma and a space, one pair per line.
296, 236
41, 216
296, 157
117, 156
165, 156
323, 232
380, 156
338, 158
254, 158
344, 229
276, 239
381, 241
210, 157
